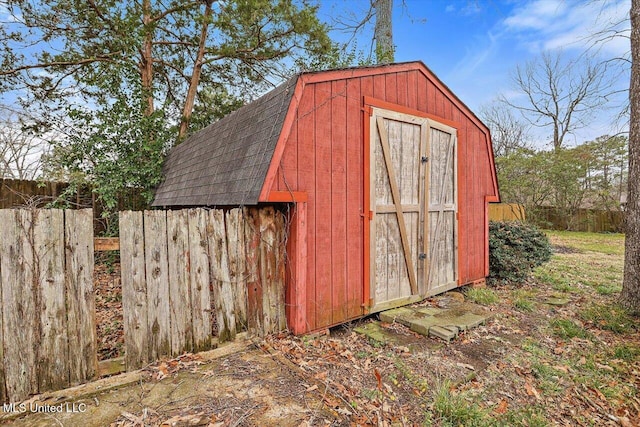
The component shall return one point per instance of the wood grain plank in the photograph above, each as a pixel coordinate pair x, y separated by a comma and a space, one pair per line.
267, 267
219, 260
339, 294
53, 351
134, 289
323, 225
157, 277
307, 180
237, 265
254, 286
81, 313
199, 278
354, 209
179, 265
18, 304
413, 89
402, 88
391, 87
379, 87
279, 282
397, 267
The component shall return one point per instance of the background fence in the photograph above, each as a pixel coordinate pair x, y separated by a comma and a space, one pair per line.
187, 276
590, 220
548, 217
506, 212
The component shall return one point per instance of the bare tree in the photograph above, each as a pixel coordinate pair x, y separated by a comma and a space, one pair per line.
507, 132
378, 13
630, 295
563, 94
20, 151
383, 32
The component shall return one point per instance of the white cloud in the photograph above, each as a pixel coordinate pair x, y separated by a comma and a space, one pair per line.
550, 24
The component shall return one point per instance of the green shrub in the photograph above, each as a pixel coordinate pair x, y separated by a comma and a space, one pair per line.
515, 249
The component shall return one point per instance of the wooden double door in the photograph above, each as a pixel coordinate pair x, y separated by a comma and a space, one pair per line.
413, 197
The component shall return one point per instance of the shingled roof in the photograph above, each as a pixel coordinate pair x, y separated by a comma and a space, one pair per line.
226, 163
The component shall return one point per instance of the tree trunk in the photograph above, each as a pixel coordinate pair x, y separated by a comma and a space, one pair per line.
146, 62
195, 77
630, 296
383, 31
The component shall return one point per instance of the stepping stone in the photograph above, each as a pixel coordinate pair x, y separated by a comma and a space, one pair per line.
374, 331
448, 322
441, 332
399, 315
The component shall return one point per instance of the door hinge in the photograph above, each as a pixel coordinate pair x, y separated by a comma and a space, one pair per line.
422, 256
424, 159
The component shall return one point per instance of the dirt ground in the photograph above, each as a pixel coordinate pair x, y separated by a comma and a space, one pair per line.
556, 351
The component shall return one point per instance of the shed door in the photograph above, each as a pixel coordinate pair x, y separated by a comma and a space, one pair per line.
442, 226
413, 234
398, 144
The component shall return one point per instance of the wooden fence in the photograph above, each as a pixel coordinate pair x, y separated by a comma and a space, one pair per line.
187, 276
186, 273
47, 333
506, 212
589, 220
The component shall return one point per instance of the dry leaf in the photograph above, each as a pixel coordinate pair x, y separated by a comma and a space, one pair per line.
322, 376
378, 377
531, 390
502, 407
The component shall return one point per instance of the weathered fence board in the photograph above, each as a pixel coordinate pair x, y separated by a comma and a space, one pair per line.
134, 296
255, 317
223, 291
48, 317
53, 358
179, 303
18, 304
81, 310
199, 279
157, 275
237, 265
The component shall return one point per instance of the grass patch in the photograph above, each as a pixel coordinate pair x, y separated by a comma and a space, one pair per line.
626, 352
567, 329
523, 300
604, 243
609, 317
608, 288
525, 417
548, 378
453, 409
482, 296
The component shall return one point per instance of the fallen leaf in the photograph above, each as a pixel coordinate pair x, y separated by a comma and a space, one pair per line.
378, 377
531, 390
502, 407
321, 376
467, 366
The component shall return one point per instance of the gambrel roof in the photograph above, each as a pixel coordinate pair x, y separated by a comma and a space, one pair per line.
226, 162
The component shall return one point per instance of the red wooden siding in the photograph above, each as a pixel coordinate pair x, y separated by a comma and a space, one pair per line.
324, 156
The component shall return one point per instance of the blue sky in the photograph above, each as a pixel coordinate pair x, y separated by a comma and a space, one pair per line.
474, 45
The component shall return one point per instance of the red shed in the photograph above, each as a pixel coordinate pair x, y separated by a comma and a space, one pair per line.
390, 173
